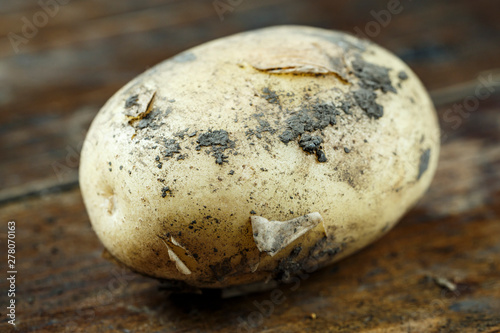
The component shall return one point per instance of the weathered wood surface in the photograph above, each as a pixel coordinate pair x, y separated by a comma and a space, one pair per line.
51, 89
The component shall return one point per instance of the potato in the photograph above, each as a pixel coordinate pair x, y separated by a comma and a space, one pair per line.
258, 155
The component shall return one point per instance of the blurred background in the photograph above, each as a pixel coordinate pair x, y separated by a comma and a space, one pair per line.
60, 60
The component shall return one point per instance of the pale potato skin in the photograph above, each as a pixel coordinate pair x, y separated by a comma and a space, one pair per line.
360, 192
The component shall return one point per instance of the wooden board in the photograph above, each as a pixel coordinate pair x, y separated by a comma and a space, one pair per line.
437, 271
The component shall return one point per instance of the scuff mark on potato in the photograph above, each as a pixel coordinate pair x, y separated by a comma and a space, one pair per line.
273, 236
179, 264
295, 57
139, 103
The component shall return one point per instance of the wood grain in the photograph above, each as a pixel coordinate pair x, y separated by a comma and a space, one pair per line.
437, 271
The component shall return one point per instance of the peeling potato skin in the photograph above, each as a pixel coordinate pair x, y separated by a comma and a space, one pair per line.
185, 153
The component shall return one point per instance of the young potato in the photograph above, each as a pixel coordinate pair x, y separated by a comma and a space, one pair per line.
255, 156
